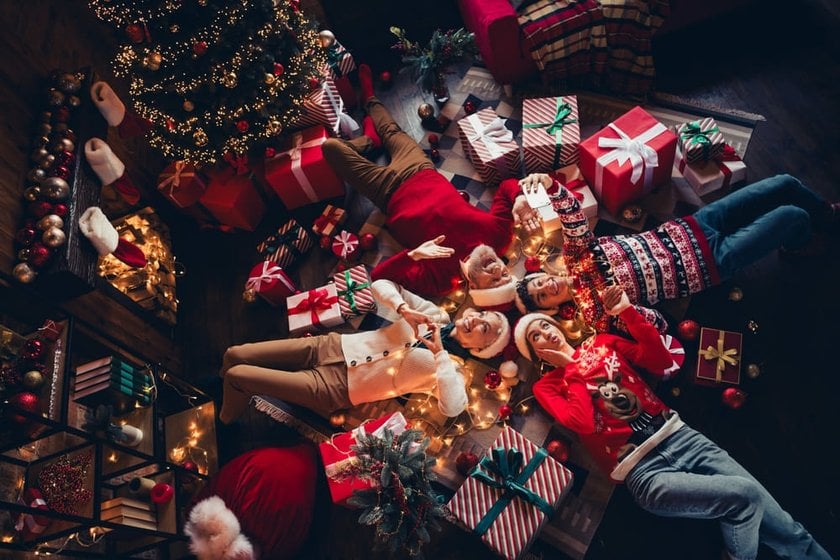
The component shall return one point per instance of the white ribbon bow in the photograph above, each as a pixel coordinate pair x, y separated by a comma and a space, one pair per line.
347, 243
491, 134
396, 423
642, 157
269, 272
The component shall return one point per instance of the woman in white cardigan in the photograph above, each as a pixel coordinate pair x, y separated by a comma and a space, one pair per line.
334, 371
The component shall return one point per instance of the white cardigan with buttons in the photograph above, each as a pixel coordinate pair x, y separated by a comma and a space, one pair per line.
383, 364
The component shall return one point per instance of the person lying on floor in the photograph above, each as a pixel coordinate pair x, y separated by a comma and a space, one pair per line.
338, 371
670, 469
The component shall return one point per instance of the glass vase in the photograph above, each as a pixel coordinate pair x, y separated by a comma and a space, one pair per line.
440, 91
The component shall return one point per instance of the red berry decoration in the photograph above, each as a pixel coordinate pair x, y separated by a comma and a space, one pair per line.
279, 69
60, 210
688, 330
368, 241
733, 397
559, 450
325, 242
242, 126
134, 33
39, 255
469, 107
434, 153
199, 48
465, 462
40, 208
25, 401
434, 140
33, 349
465, 195
25, 236
533, 264
492, 379
505, 411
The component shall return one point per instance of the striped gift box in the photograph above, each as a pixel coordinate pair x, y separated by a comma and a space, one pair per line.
701, 140
339, 61
355, 297
489, 145
286, 245
550, 133
517, 521
322, 106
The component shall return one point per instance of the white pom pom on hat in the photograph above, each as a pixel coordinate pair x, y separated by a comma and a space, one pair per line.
215, 533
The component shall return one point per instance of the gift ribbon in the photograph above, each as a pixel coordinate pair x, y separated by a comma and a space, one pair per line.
352, 288
294, 153
722, 356
694, 134
336, 53
238, 163
345, 240
269, 272
510, 478
729, 154
289, 239
315, 301
491, 134
555, 128
27, 520
642, 157
332, 216
396, 423
174, 181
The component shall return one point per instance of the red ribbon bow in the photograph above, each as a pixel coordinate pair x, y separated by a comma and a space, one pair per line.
316, 300
729, 154
324, 220
238, 163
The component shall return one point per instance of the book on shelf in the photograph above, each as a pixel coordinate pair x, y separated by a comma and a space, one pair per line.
130, 521
133, 513
141, 392
130, 502
138, 382
93, 364
107, 394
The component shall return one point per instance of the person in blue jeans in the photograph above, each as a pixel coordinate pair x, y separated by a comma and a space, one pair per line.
670, 469
682, 256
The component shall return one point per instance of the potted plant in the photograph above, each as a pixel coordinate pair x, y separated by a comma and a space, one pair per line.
99, 421
429, 64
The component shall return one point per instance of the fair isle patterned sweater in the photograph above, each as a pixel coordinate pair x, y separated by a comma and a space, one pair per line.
672, 261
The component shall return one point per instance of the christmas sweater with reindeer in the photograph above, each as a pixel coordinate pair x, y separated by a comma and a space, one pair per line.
602, 397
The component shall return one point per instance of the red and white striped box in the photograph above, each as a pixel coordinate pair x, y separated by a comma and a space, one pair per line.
286, 245
322, 106
355, 298
550, 133
339, 61
701, 140
489, 145
709, 176
519, 522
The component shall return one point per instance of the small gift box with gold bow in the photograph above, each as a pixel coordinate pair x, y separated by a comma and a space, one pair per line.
329, 220
180, 184
719, 359
550, 133
354, 292
489, 145
511, 493
316, 308
700, 140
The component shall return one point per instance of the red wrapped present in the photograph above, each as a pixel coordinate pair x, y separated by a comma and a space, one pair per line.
339, 458
329, 220
299, 174
509, 495
677, 353
709, 176
180, 184
234, 199
323, 106
701, 140
719, 357
51, 330
285, 246
626, 159
29, 525
315, 308
354, 294
345, 245
550, 133
489, 145
270, 283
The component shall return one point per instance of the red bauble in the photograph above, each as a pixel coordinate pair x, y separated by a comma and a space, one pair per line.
34, 349
505, 411
385, 77
60, 210
199, 48
688, 330
434, 140
39, 255
325, 242
314, 83
170, 125
25, 236
492, 379
559, 450
40, 208
242, 126
65, 158
190, 465
279, 69
270, 152
61, 171
465, 195
533, 264
465, 462
368, 241
340, 267
469, 107
733, 397
434, 153
134, 33
26, 401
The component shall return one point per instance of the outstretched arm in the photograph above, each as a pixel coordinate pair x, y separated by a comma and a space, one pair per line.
419, 276
567, 400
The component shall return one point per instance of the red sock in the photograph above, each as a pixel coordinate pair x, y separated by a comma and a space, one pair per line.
366, 81
370, 131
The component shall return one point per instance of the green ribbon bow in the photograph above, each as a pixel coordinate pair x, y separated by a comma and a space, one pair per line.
289, 239
555, 128
335, 53
510, 477
694, 135
352, 288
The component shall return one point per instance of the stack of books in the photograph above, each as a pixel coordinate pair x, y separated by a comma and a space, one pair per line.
111, 381
129, 512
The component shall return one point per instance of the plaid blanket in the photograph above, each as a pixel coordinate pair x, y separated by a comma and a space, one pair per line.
610, 39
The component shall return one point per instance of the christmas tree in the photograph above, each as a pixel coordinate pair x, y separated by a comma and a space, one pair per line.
214, 76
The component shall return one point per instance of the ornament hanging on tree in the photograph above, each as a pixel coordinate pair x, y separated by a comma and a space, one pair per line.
199, 48
26, 401
465, 462
733, 397
33, 380
735, 294
23, 273
134, 32
34, 349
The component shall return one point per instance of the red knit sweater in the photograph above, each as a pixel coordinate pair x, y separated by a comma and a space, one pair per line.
428, 205
576, 396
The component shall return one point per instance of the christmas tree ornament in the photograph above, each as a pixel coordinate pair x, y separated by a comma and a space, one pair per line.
27, 402
54, 237
34, 349
434, 140
469, 107
249, 295
466, 462
688, 330
62, 114
492, 380
314, 82
230, 80
269, 78
425, 111
61, 171
242, 126
38, 154
385, 79
325, 242
24, 254
533, 264
50, 221
10, 379
200, 138
25, 236
733, 397
631, 214
337, 419
74, 101
47, 162
55, 98
60, 210
327, 38
40, 209
60, 145
44, 129
23, 273
68, 82
752, 326
505, 411
134, 32
188, 106
434, 154
190, 465
278, 70
676, 391
368, 241
753, 371
465, 195
33, 380
274, 128
735, 294
559, 450
36, 175
39, 255
32, 193
162, 493
55, 188
270, 152
199, 48
174, 28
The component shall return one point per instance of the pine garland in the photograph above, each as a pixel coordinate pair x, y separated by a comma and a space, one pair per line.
428, 64
401, 505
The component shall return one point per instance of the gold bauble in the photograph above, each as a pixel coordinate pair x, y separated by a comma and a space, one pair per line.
33, 193
74, 101
54, 237
337, 419
23, 254
675, 391
36, 175
47, 162
50, 221
274, 127
425, 111
69, 83
155, 58
23, 273
188, 106
753, 371
327, 38
55, 188
33, 379
735, 294
230, 80
200, 138
269, 78
249, 295
60, 145
39, 154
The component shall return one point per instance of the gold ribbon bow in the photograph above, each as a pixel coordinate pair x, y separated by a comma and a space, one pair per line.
722, 356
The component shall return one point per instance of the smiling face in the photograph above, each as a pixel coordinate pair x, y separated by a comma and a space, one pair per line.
485, 269
550, 291
477, 329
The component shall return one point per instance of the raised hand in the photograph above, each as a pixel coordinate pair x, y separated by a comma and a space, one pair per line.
531, 182
435, 344
431, 249
556, 358
525, 216
414, 318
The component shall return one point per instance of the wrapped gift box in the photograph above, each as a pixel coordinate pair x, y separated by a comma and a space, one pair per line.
299, 174
615, 166
719, 357
286, 245
354, 294
550, 133
571, 177
329, 220
28, 525
345, 245
180, 184
339, 61
489, 145
338, 456
709, 176
701, 140
270, 283
323, 106
315, 308
234, 199
508, 522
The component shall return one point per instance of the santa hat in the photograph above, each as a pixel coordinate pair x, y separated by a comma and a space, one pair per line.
215, 533
520, 330
524, 302
501, 344
489, 298
105, 239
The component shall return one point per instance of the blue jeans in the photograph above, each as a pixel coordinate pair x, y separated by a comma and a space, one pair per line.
751, 222
688, 475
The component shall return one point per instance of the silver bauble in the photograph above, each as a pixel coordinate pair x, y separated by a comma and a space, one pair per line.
55, 188
47, 162
54, 237
50, 221
36, 175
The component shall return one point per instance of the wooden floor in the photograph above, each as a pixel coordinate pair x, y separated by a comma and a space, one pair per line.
778, 60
